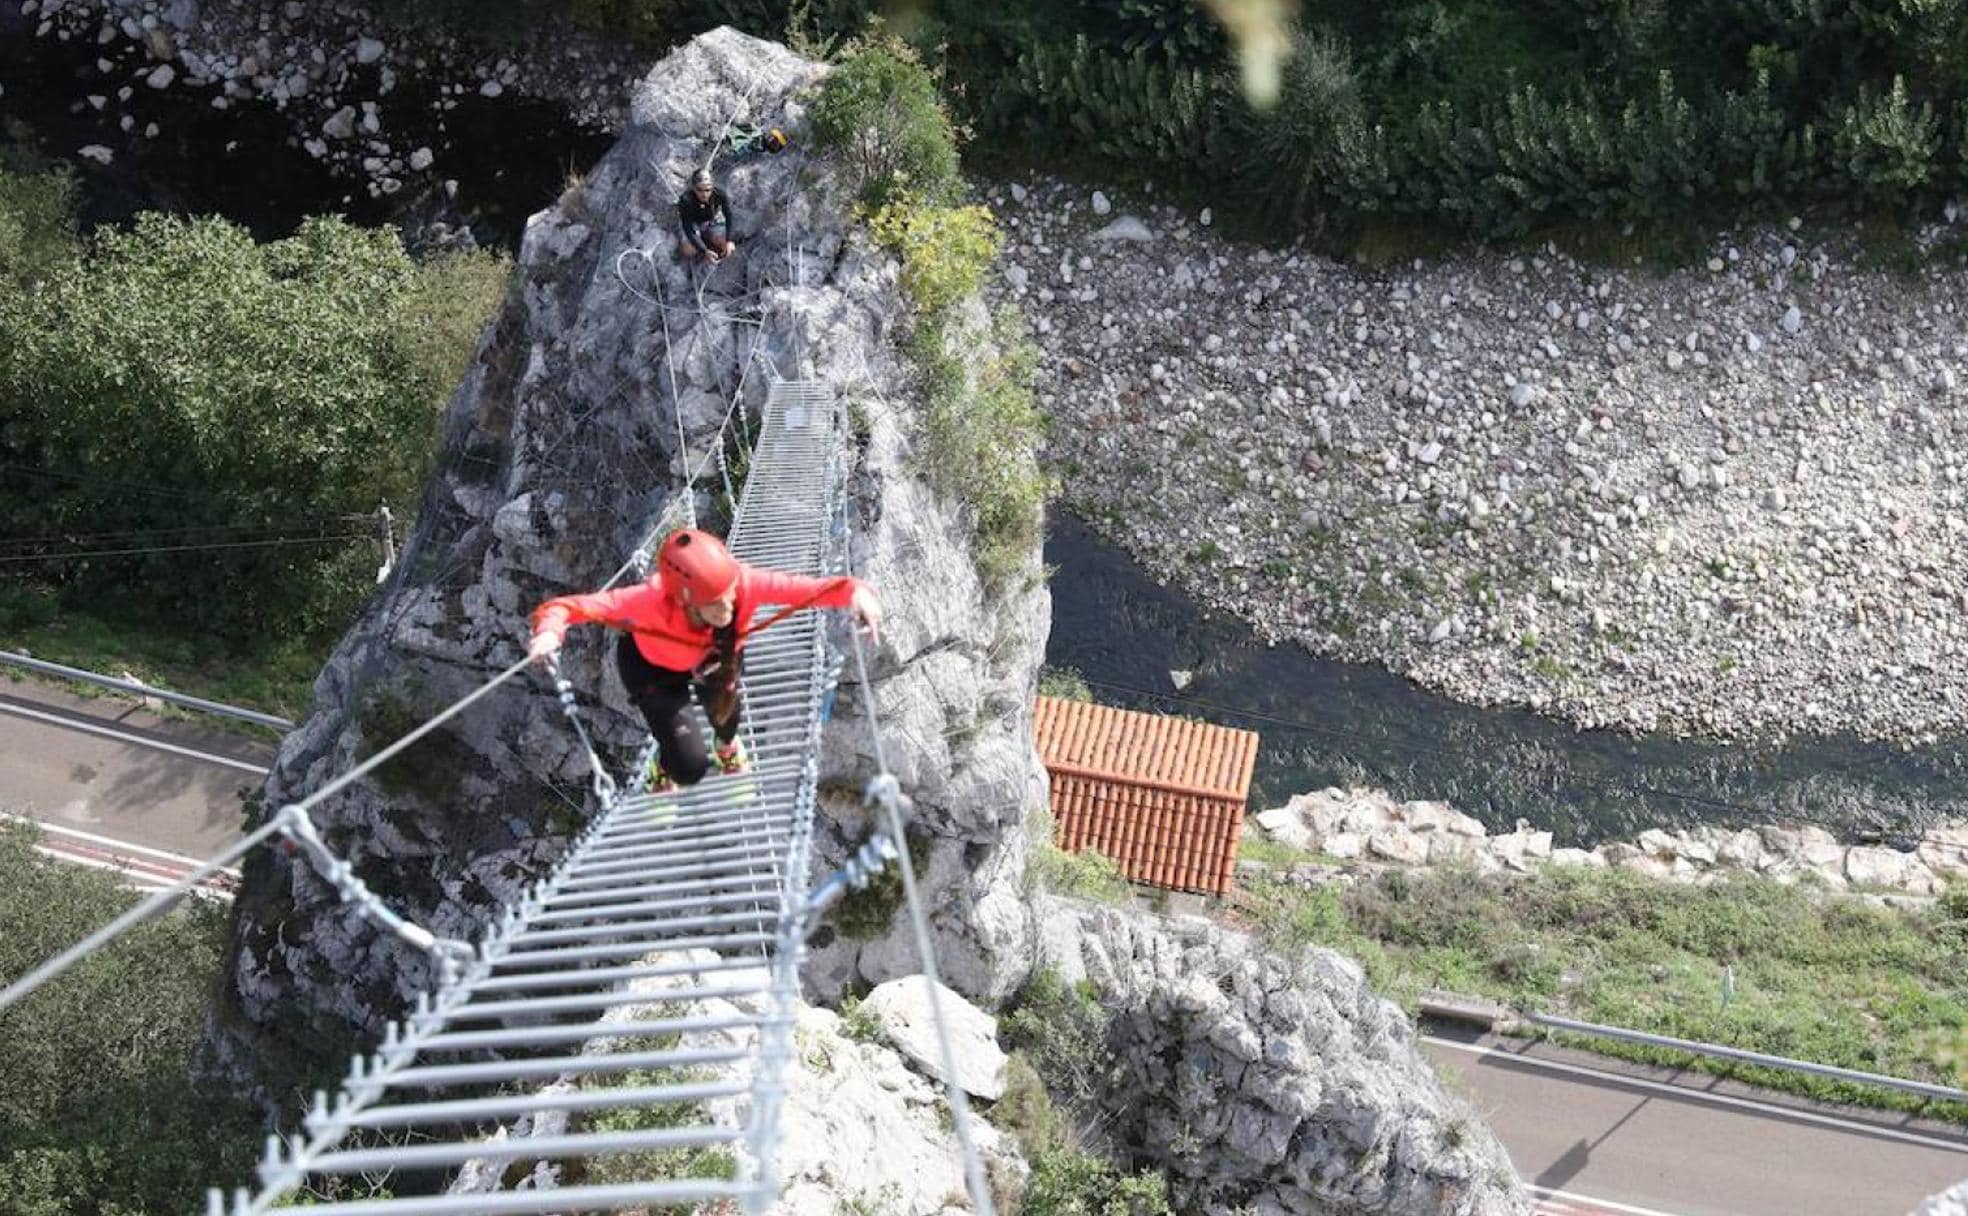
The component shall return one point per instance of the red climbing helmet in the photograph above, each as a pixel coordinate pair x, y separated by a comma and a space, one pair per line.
698, 562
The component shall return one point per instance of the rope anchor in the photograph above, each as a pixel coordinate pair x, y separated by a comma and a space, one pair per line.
604, 785
298, 829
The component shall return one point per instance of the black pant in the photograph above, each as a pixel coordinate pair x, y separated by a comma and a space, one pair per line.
663, 696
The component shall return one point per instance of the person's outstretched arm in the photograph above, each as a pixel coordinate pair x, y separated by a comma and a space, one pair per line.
800, 591
551, 619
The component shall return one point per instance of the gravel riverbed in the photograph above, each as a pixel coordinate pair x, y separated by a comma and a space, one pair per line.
1721, 501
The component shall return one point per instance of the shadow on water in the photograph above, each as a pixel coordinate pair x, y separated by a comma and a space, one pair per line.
1328, 723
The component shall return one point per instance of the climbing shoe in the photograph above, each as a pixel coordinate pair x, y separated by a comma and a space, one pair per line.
731, 757
656, 781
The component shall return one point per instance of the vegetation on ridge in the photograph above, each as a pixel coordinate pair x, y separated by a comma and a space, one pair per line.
95, 1079
980, 434
1832, 980
1485, 117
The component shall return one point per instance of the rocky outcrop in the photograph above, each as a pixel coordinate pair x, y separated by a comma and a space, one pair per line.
859, 1130
1271, 1084
557, 456
1364, 830
908, 1022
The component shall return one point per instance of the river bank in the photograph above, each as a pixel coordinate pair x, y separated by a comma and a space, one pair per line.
1725, 501
1772, 960
1344, 833
1327, 722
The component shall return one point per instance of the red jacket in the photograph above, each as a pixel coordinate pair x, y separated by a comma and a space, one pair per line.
663, 631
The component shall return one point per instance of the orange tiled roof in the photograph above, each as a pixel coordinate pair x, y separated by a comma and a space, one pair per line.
1163, 797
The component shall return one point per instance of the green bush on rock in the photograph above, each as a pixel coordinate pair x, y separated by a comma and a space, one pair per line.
880, 110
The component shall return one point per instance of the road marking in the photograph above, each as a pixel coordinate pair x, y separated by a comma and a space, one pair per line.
136, 878
1593, 1207
1697, 1095
110, 842
97, 729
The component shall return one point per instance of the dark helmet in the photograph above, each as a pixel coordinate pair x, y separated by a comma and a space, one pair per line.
700, 178
775, 140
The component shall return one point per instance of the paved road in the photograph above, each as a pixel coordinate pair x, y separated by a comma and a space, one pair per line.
1657, 1143
109, 768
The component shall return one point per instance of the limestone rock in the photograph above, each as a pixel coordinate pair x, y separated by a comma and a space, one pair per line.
558, 452
903, 1009
1952, 1202
1272, 1083
1125, 228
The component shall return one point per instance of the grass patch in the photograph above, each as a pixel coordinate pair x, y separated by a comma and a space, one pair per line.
1835, 981
99, 1115
1065, 683
276, 677
657, 1165
1251, 847
1087, 874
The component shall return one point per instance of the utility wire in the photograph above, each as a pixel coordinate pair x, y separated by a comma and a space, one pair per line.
238, 544
134, 534
107, 482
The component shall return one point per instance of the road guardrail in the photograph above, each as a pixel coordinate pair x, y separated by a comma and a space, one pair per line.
139, 688
1942, 1093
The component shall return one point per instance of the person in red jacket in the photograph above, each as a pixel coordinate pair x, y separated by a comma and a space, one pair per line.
685, 630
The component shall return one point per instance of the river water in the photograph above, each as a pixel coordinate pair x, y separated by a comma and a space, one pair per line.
1326, 723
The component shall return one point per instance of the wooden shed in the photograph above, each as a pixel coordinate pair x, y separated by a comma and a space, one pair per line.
1162, 796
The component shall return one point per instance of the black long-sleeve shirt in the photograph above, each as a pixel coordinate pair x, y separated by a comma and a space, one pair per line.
692, 211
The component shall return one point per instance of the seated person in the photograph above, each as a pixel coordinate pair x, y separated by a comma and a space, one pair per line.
704, 215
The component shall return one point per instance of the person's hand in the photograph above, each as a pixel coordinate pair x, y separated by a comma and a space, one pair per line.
867, 611
713, 256
543, 647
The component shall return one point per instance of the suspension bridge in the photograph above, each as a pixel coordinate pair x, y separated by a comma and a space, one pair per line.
673, 928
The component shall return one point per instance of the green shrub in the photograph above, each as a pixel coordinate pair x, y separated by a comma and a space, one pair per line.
945, 251
1142, 104
214, 391
1884, 145
858, 1022
879, 109
980, 446
869, 912
1062, 1030
1025, 1109
1295, 149
95, 1083
1069, 1183
37, 222
1066, 683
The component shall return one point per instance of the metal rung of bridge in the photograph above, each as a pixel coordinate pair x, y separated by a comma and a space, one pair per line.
657, 965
